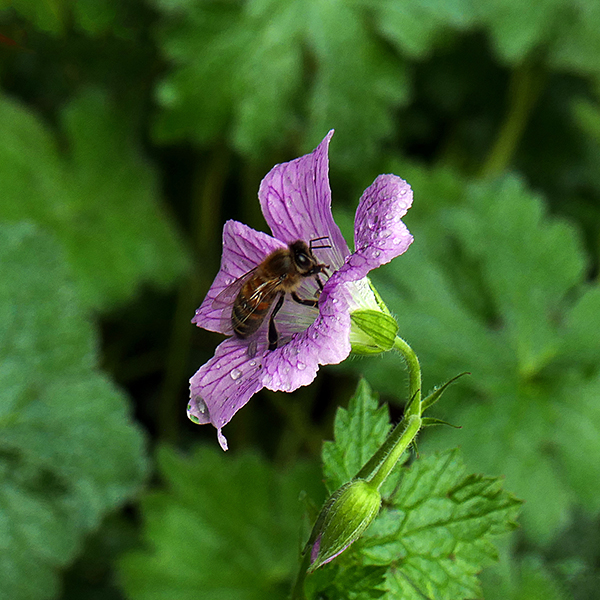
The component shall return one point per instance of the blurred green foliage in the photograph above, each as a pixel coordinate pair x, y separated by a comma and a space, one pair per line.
129, 130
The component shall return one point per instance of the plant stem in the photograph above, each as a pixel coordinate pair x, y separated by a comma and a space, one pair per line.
298, 589
413, 409
414, 376
403, 436
524, 89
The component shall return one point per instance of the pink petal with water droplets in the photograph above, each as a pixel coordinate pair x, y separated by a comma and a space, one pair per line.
295, 199
379, 233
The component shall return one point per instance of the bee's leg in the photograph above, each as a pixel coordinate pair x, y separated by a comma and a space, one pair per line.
273, 335
306, 302
320, 284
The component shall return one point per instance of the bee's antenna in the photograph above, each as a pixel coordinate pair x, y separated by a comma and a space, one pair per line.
319, 239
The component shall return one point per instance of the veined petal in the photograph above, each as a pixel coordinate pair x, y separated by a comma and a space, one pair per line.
243, 249
224, 384
379, 233
295, 199
326, 341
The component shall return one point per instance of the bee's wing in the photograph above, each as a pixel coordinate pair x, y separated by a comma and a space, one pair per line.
227, 297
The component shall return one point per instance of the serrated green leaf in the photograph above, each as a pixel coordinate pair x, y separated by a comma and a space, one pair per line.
529, 265
436, 529
357, 83
359, 430
54, 16
99, 199
347, 582
224, 529
68, 452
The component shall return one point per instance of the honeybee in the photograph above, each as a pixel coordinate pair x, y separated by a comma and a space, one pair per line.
280, 273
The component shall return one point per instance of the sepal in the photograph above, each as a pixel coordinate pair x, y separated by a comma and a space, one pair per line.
437, 392
372, 331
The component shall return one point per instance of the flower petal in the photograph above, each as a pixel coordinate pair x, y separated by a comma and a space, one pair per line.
295, 199
325, 342
224, 384
243, 249
379, 233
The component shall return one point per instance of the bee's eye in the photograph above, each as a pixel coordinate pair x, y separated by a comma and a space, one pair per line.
302, 260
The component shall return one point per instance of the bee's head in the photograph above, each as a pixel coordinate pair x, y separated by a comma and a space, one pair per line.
304, 259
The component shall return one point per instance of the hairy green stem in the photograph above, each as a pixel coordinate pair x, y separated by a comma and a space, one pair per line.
403, 435
414, 376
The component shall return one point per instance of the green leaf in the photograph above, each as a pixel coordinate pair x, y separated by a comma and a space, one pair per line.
524, 579
54, 16
417, 26
494, 286
347, 582
359, 430
578, 39
224, 528
517, 29
436, 530
49, 15
357, 84
100, 198
270, 65
68, 451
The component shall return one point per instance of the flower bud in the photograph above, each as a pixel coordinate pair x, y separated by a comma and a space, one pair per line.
343, 519
372, 331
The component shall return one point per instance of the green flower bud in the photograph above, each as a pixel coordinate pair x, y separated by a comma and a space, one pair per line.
372, 331
342, 520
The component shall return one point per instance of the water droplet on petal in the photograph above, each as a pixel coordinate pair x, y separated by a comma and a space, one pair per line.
376, 254
334, 300
252, 363
301, 366
235, 374
218, 366
198, 404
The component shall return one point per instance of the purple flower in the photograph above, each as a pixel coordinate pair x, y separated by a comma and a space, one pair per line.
295, 199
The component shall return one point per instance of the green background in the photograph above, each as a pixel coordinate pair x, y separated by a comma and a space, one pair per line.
131, 130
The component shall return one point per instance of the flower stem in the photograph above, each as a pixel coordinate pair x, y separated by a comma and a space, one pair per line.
403, 435
298, 589
525, 86
414, 376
